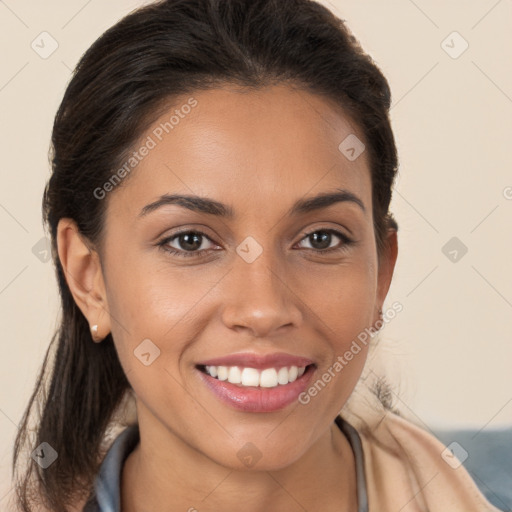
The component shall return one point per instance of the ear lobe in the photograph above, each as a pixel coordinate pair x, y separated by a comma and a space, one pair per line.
83, 272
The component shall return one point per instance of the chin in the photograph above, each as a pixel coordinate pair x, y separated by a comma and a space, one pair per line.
259, 454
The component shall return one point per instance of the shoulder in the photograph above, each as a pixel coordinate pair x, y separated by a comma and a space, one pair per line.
406, 466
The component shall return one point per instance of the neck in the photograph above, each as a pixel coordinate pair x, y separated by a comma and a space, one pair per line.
179, 478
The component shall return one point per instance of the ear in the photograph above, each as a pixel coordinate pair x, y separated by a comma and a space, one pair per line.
84, 276
387, 265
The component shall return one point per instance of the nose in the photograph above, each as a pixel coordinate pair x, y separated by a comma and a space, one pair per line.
258, 297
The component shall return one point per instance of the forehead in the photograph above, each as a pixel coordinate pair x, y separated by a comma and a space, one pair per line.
253, 149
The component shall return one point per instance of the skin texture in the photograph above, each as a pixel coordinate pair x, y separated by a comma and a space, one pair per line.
258, 152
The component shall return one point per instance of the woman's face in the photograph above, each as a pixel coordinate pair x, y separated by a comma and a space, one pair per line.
244, 279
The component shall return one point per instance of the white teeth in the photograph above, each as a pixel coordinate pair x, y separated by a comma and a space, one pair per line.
267, 378
222, 372
250, 377
282, 375
235, 375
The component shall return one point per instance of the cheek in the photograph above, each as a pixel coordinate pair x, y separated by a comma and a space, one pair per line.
148, 295
342, 303
154, 311
342, 297
153, 325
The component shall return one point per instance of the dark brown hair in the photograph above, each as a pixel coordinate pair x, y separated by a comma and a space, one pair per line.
124, 81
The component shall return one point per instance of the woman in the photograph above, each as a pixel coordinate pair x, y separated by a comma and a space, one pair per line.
219, 214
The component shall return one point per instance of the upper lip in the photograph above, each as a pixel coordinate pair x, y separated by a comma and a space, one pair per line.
258, 361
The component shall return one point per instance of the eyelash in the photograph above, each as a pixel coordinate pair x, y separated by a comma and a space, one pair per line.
347, 242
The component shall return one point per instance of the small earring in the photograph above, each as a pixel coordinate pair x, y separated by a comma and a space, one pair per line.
94, 330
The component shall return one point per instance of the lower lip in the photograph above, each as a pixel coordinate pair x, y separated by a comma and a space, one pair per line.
256, 399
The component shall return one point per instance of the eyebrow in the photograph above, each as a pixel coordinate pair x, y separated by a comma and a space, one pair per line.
212, 207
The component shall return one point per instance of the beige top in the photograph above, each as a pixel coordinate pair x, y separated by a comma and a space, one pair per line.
405, 471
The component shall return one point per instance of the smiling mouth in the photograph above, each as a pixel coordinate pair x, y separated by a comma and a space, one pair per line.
256, 378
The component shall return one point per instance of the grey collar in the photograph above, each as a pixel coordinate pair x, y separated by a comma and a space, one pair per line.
106, 496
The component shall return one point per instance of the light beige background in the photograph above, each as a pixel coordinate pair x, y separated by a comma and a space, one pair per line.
452, 119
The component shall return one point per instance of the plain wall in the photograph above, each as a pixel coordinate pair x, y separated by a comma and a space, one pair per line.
452, 121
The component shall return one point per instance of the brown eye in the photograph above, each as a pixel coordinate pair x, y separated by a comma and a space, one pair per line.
189, 241
186, 243
321, 240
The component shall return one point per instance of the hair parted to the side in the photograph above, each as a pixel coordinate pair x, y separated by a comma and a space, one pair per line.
123, 82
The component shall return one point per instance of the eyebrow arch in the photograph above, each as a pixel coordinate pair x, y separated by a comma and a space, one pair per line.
212, 207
